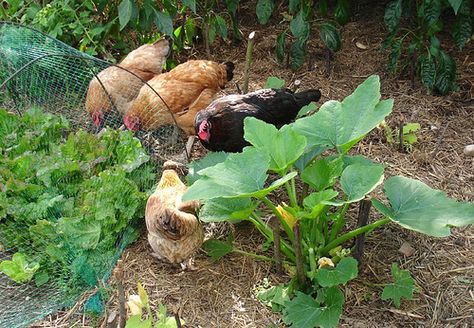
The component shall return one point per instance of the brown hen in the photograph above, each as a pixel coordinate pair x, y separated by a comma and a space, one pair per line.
174, 232
122, 87
186, 89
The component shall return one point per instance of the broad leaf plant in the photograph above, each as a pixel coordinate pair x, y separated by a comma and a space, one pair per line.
314, 150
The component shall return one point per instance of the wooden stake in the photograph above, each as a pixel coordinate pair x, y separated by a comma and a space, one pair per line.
275, 225
248, 62
178, 320
206, 40
362, 220
401, 146
304, 193
299, 255
296, 85
118, 273
440, 140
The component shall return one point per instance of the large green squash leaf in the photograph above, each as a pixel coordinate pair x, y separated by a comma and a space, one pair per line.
343, 124
268, 139
357, 180
344, 271
322, 173
316, 202
209, 160
226, 209
416, 206
217, 249
240, 173
304, 311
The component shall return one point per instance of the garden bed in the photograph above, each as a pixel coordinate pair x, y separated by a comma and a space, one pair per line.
221, 294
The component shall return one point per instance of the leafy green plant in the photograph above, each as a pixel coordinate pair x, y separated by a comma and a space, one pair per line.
239, 187
300, 15
213, 23
69, 200
138, 319
18, 269
409, 134
436, 69
402, 287
97, 27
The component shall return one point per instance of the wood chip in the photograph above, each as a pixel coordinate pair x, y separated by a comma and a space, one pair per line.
112, 316
361, 45
406, 249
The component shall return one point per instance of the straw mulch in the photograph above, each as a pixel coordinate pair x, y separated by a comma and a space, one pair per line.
221, 294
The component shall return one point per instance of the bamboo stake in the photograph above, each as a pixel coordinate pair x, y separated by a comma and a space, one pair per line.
275, 225
299, 255
248, 62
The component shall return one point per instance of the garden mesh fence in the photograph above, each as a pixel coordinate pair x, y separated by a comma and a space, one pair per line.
63, 252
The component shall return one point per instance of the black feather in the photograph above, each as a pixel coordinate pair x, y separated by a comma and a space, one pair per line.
226, 115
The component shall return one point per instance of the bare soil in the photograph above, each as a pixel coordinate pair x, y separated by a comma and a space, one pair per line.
221, 294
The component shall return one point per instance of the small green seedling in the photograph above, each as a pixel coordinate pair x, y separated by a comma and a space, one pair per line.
138, 303
402, 286
274, 82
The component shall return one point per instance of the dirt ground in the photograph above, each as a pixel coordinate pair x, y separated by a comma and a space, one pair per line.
221, 294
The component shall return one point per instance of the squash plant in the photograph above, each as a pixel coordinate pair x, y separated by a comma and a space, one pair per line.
314, 149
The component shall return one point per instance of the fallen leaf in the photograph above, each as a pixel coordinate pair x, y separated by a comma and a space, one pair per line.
406, 249
361, 45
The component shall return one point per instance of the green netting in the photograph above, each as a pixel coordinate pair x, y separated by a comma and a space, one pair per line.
72, 197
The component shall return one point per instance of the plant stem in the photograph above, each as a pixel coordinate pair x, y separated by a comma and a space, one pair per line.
275, 224
352, 234
291, 194
248, 62
262, 227
312, 260
304, 193
340, 222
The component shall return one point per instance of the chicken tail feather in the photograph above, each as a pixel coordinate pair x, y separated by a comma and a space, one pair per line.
230, 70
303, 98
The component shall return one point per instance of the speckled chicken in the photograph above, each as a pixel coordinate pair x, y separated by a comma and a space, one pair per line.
146, 62
174, 232
186, 89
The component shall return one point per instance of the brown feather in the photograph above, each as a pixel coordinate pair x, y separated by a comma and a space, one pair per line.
173, 233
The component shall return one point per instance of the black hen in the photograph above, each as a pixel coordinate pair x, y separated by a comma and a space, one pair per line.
220, 127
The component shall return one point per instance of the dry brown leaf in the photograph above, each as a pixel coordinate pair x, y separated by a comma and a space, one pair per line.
406, 249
